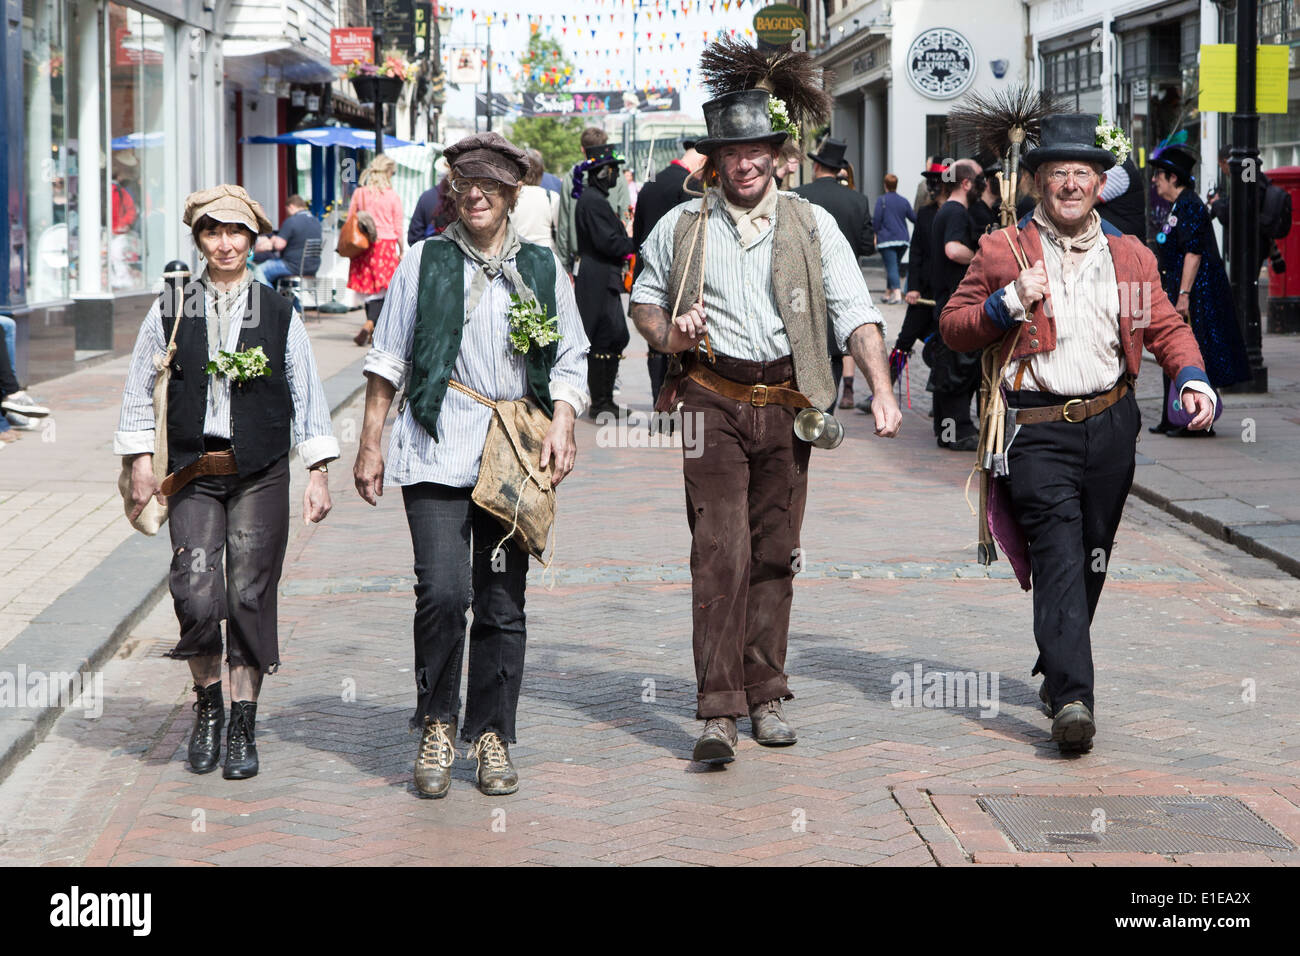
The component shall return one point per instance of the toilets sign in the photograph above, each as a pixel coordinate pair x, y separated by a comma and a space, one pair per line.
941, 63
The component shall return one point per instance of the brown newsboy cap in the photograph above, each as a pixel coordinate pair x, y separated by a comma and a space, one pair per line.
488, 156
226, 203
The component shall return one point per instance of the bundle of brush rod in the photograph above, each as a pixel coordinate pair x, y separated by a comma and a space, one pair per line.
1006, 123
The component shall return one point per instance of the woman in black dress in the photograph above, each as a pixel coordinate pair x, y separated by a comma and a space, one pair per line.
1192, 274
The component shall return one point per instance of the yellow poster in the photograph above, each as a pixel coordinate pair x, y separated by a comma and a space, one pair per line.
1219, 78
1271, 78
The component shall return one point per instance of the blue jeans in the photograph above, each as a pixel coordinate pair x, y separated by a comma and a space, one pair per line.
270, 270
10, 329
891, 255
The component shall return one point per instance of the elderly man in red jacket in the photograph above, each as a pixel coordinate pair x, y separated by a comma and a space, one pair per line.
1086, 302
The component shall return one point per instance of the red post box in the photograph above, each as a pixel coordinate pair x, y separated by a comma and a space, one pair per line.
1284, 287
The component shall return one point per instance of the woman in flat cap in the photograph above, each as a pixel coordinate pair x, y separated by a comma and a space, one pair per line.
243, 392
448, 314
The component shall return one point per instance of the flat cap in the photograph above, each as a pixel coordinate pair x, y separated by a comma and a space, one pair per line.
488, 156
226, 203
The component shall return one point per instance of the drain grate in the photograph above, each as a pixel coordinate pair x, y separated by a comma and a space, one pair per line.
1172, 824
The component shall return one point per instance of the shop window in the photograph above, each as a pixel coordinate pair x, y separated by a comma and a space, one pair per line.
1073, 76
136, 200
48, 246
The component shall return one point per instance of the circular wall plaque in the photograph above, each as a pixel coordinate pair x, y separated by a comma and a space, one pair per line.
941, 63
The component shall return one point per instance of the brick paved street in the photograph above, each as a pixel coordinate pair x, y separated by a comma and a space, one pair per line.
1195, 644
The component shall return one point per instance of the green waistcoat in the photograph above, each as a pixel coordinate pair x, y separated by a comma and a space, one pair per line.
440, 317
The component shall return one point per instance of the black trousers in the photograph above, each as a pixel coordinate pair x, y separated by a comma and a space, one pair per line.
229, 536
454, 540
657, 364
1069, 482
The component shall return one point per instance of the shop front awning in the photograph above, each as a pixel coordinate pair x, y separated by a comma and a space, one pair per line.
329, 136
247, 61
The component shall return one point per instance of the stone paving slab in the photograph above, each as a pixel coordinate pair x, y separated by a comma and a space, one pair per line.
606, 718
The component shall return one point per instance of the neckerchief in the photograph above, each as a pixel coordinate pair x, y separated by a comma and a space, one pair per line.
489, 266
753, 223
227, 309
1072, 248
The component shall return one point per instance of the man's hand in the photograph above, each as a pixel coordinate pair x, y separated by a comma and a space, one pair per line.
1031, 285
888, 416
143, 485
1200, 406
912, 297
368, 473
559, 443
316, 503
686, 329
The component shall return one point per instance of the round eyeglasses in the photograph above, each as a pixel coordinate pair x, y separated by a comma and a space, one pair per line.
488, 187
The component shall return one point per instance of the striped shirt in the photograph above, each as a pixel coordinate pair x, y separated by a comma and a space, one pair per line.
313, 435
1085, 303
739, 298
487, 363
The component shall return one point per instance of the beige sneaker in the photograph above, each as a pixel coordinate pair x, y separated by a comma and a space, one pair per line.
496, 774
433, 762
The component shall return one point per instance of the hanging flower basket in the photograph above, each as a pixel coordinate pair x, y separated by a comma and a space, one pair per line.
377, 89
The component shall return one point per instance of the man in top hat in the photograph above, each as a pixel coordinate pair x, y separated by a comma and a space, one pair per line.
659, 195
1075, 349
566, 226
603, 245
777, 274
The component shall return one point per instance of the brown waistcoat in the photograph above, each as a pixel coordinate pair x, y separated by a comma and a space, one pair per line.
797, 287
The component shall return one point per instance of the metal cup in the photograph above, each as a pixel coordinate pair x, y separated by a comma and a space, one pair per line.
818, 428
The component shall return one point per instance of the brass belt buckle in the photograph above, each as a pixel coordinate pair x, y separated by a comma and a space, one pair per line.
1065, 411
758, 396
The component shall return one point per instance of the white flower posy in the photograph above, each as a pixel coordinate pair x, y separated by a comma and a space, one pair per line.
779, 117
1111, 137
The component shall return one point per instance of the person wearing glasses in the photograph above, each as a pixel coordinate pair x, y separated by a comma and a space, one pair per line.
1072, 302
447, 318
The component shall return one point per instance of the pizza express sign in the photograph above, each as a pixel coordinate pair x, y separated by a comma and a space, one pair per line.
941, 63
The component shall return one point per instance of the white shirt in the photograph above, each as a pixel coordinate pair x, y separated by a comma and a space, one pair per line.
487, 363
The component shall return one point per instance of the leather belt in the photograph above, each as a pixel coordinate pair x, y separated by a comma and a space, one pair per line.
1075, 410
756, 395
209, 463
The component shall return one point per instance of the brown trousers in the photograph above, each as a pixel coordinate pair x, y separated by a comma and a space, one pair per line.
745, 497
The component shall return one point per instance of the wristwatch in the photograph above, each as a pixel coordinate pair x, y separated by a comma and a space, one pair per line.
1183, 292
322, 467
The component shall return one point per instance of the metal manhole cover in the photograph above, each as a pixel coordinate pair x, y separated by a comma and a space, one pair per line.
1169, 824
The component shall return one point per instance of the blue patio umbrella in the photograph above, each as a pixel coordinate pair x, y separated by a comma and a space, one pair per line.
328, 136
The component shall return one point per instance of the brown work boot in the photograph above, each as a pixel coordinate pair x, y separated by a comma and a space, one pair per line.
496, 774
718, 742
433, 762
769, 726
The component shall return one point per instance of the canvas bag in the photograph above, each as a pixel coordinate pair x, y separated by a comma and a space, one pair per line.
511, 485
154, 515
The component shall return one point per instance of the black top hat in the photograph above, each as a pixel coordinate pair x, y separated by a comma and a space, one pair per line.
1068, 136
1177, 159
602, 155
830, 154
739, 117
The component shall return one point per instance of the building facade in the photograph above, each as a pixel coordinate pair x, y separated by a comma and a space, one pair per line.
899, 65
113, 113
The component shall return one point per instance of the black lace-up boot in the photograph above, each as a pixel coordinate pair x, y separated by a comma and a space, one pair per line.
210, 717
241, 748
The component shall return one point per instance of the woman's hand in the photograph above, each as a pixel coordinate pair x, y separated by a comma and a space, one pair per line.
316, 503
368, 472
559, 444
143, 484
912, 297
1184, 306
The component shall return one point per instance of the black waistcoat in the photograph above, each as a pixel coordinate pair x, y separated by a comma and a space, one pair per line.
260, 409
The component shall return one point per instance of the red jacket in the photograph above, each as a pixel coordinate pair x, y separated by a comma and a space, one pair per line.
977, 316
